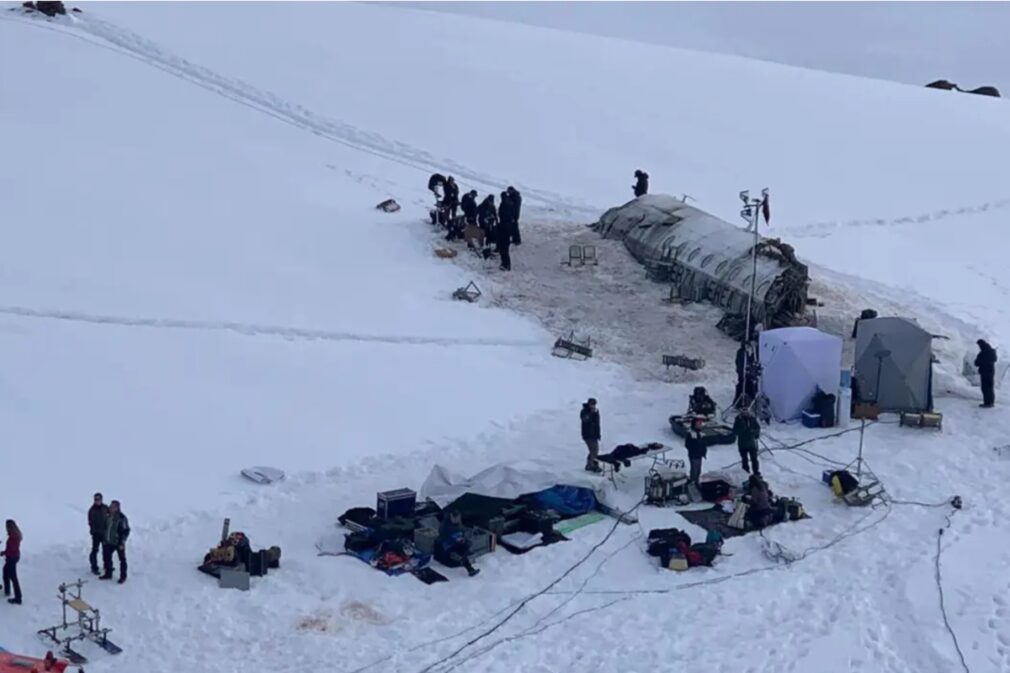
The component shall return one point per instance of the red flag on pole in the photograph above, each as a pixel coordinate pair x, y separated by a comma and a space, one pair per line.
765, 209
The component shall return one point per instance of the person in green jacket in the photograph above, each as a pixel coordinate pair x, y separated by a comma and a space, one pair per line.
117, 529
747, 431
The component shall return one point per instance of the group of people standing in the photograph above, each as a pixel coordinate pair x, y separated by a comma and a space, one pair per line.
498, 224
109, 529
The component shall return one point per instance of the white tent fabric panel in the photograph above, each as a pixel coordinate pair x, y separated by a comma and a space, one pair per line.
796, 361
505, 480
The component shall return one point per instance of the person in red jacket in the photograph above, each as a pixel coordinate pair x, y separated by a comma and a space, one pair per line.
12, 554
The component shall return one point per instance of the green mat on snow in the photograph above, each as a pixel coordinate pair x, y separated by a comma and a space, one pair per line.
568, 525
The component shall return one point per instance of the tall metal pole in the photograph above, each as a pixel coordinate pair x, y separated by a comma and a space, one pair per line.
754, 208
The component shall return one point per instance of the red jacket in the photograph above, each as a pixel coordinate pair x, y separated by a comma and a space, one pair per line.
13, 548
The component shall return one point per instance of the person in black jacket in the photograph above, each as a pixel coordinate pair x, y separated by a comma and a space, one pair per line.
747, 430
700, 404
503, 237
517, 206
487, 216
985, 362
469, 206
97, 516
117, 529
590, 417
697, 450
436, 183
451, 199
641, 184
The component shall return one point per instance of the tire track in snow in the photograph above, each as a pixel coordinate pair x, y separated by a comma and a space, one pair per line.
816, 229
248, 329
127, 43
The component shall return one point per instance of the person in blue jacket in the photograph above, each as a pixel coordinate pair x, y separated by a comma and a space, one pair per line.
452, 545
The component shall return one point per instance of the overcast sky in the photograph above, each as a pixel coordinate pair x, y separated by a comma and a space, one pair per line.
913, 42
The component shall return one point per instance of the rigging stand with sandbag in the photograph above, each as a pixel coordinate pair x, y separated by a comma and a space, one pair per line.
572, 348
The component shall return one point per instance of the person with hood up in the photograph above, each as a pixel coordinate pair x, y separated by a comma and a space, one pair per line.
700, 404
452, 543
517, 206
985, 362
747, 430
436, 183
469, 206
12, 554
590, 417
697, 450
451, 199
760, 511
97, 515
487, 216
117, 529
641, 183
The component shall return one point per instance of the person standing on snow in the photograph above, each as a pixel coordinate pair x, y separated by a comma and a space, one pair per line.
487, 217
590, 417
469, 207
517, 206
117, 529
436, 183
747, 430
642, 183
12, 554
985, 362
97, 516
696, 450
451, 199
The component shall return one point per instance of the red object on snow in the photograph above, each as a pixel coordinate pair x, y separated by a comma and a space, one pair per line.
15, 663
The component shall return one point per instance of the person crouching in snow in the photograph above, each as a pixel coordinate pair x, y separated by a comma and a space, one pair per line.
760, 511
697, 450
590, 418
117, 529
700, 404
452, 547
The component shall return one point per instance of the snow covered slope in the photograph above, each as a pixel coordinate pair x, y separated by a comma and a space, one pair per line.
194, 280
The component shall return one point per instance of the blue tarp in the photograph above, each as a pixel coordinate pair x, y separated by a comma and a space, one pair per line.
567, 501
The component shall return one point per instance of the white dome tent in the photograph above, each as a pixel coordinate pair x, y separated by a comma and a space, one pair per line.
795, 362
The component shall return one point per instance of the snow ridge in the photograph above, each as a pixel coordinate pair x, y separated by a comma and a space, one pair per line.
130, 44
248, 329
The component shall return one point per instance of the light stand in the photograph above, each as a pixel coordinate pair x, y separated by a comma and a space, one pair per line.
751, 213
879, 355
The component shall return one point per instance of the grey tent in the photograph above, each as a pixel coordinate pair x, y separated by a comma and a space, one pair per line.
894, 364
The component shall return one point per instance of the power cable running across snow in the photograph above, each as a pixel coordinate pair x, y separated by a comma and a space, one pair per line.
939, 587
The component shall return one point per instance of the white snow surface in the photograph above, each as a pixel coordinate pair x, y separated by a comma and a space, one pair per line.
195, 280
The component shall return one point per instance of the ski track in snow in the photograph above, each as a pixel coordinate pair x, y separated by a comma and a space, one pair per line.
127, 43
816, 229
247, 329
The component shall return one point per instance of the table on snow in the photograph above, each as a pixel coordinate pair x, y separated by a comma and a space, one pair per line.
657, 456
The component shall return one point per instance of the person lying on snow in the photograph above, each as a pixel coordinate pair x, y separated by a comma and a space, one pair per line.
665, 542
452, 548
700, 404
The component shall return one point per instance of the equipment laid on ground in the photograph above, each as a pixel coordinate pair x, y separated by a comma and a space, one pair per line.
233, 578
866, 411
15, 663
811, 420
388, 206
398, 503
664, 486
445, 253
675, 297
470, 292
694, 364
88, 625
921, 419
572, 348
583, 254
263, 475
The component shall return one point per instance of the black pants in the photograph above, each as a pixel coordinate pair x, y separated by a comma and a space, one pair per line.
988, 389
96, 544
749, 458
11, 577
503, 252
516, 238
107, 551
695, 470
